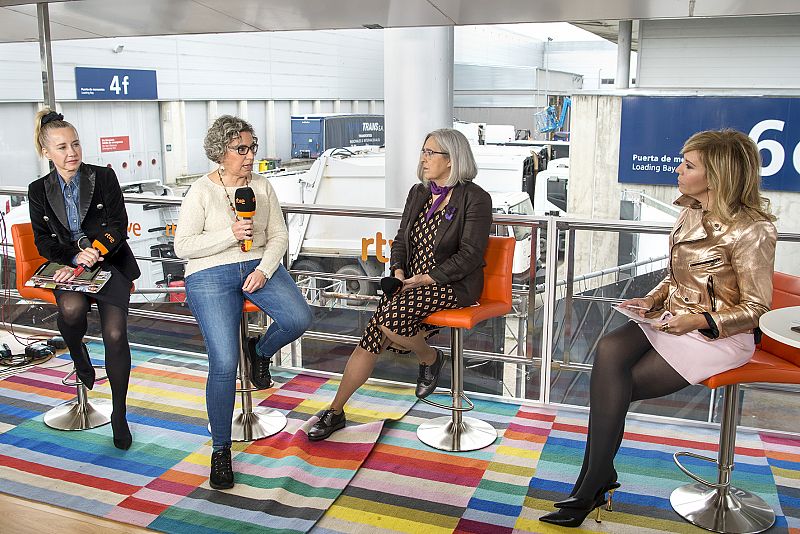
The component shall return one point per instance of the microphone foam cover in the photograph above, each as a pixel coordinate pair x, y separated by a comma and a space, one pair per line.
104, 242
245, 202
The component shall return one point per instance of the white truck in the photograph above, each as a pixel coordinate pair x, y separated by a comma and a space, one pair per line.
355, 177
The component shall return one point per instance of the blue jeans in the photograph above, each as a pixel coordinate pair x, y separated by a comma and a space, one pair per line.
216, 298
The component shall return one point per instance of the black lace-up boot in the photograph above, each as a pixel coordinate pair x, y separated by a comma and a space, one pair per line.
221, 469
259, 367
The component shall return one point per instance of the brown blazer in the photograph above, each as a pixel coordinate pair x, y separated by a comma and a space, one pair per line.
724, 269
460, 241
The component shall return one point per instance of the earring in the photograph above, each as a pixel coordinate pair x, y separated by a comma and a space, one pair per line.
221, 170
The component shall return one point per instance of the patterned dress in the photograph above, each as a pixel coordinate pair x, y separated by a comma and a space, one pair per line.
403, 314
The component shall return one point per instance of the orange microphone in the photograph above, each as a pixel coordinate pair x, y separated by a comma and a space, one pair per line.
101, 245
245, 208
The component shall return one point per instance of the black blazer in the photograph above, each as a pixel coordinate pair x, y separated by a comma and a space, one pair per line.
460, 241
102, 208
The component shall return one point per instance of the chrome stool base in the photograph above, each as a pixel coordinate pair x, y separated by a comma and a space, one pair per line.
76, 415
733, 511
260, 423
444, 434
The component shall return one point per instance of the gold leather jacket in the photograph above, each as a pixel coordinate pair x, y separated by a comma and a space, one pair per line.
723, 269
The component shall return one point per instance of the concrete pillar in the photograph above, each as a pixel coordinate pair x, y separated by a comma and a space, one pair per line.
372, 107
317, 106
242, 110
418, 98
295, 107
211, 112
271, 130
337, 106
173, 133
624, 54
355, 107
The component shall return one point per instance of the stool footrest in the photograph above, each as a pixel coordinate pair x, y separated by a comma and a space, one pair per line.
451, 406
688, 473
76, 383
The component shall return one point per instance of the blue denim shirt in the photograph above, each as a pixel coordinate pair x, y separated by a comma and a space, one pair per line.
72, 201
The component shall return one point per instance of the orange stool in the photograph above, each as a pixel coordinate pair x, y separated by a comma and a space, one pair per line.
252, 423
721, 507
457, 433
78, 414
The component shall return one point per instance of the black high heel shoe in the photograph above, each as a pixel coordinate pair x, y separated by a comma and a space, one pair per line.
572, 516
83, 367
566, 503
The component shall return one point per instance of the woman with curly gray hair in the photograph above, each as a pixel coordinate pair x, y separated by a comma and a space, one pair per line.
221, 272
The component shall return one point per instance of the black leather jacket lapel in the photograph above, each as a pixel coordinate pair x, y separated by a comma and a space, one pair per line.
55, 197
87, 190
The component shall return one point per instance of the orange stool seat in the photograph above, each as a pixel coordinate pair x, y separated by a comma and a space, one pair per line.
457, 433
719, 506
80, 413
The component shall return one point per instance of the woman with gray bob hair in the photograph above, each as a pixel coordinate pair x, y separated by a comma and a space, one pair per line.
224, 130
456, 148
437, 264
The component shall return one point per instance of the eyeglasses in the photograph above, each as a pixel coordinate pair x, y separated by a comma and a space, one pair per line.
243, 149
428, 153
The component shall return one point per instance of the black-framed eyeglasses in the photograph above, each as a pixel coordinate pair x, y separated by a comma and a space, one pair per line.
428, 153
242, 150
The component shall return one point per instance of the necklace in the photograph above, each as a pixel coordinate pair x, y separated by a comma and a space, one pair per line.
224, 188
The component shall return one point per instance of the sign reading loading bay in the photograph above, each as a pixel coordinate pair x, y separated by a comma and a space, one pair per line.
654, 129
115, 144
115, 84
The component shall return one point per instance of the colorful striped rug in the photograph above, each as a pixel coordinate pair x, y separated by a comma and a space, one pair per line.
283, 483
404, 486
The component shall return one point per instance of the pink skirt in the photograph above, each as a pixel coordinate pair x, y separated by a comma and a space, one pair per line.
696, 357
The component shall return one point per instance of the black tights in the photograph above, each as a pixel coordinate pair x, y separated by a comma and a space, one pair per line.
626, 369
72, 323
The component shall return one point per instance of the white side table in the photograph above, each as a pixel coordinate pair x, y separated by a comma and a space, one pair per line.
776, 324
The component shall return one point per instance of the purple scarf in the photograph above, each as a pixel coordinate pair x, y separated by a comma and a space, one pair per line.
436, 190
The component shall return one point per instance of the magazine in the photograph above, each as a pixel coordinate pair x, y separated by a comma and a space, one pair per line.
89, 281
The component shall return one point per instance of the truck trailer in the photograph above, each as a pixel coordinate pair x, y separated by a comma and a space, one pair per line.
314, 134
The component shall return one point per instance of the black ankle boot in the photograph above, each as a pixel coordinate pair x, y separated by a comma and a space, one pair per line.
122, 434
428, 377
329, 422
259, 367
83, 367
221, 469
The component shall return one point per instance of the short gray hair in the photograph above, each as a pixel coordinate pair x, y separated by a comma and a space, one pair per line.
224, 130
462, 163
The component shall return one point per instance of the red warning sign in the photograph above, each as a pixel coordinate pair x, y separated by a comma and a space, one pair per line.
115, 144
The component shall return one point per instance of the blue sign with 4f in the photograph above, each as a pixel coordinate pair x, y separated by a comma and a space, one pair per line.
115, 84
654, 129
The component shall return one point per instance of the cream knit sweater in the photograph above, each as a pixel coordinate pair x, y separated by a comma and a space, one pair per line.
204, 235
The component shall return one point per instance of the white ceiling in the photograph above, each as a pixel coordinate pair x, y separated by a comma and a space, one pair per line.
77, 19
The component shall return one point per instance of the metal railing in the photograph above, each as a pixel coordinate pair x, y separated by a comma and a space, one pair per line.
540, 299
